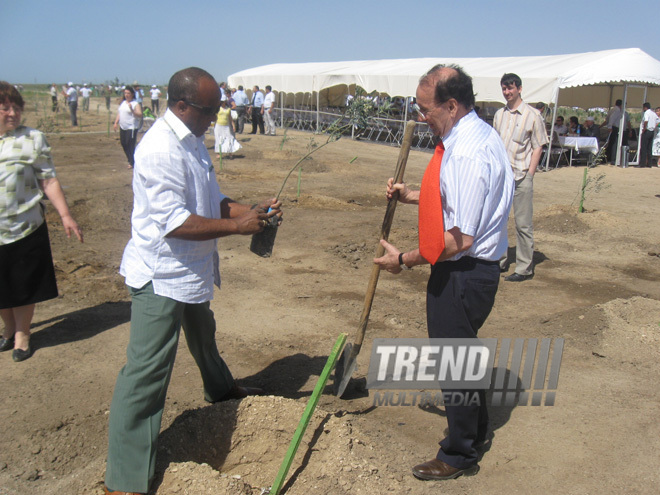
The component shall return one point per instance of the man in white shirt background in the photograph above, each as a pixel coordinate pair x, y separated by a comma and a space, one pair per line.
267, 111
648, 125
85, 92
71, 95
155, 99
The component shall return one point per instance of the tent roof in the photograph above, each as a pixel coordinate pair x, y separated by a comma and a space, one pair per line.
542, 76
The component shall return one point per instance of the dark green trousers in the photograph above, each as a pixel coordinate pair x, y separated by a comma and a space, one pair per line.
141, 388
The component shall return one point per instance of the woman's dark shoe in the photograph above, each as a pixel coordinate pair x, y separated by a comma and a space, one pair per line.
21, 355
6, 344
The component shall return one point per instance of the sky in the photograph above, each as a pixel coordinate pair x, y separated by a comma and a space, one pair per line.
47, 41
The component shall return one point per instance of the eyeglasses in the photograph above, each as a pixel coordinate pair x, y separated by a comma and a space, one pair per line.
208, 111
420, 113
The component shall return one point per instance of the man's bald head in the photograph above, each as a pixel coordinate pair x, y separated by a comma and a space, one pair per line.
450, 81
184, 85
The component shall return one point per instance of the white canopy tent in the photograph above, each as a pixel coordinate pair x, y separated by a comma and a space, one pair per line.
586, 80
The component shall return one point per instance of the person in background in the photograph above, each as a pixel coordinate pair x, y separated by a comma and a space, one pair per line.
86, 93
53, 96
574, 127
139, 94
27, 273
242, 102
656, 139
255, 106
171, 265
560, 128
589, 129
524, 135
267, 111
225, 140
155, 99
647, 130
542, 109
613, 121
128, 119
71, 96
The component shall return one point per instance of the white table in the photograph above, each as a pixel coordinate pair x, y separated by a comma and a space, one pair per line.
579, 144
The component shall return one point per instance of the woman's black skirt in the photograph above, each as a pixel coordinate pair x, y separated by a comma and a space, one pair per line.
27, 275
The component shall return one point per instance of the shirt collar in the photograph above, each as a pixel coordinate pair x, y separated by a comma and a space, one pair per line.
519, 109
180, 129
462, 123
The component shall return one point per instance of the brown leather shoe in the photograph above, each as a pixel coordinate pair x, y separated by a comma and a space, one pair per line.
238, 392
435, 469
107, 491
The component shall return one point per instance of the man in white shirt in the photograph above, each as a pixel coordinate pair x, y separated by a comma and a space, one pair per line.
85, 92
267, 111
155, 99
71, 95
647, 127
473, 188
170, 265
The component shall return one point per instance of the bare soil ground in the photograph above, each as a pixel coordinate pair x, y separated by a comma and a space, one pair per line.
596, 286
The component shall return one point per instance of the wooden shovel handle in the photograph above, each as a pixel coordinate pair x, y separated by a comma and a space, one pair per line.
384, 234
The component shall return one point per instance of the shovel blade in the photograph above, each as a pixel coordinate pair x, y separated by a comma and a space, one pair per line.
346, 366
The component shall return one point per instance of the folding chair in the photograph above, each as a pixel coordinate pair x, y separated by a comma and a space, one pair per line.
558, 150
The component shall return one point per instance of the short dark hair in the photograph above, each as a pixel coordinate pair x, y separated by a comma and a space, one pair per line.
647, 105
560, 117
457, 85
574, 119
540, 105
618, 103
511, 78
183, 85
240, 88
269, 88
8, 93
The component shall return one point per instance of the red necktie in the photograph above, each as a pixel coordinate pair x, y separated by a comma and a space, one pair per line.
431, 225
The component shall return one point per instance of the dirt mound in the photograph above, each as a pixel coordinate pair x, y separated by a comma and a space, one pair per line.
560, 220
633, 333
234, 447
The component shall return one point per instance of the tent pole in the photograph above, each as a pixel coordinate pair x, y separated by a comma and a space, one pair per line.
639, 134
622, 128
318, 100
552, 130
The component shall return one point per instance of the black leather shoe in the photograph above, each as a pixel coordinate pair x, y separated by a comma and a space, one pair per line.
6, 344
21, 355
238, 392
436, 469
516, 277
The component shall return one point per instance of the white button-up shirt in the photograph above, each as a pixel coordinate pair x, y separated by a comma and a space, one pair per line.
476, 184
173, 178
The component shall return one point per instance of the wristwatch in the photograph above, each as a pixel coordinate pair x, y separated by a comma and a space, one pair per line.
402, 265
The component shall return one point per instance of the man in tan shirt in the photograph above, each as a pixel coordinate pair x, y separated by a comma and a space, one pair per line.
521, 128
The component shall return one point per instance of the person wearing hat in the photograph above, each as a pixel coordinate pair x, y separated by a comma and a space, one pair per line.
155, 99
71, 96
86, 92
589, 129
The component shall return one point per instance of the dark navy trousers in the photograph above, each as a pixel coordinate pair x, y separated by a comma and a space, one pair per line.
460, 295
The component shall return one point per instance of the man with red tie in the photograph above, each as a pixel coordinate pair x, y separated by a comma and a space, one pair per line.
464, 206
